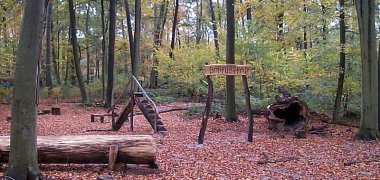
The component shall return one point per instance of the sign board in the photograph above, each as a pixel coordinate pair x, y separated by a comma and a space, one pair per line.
227, 69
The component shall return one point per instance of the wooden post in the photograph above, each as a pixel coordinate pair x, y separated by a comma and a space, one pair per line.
248, 108
206, 113
133, 104
113, 119
112, 157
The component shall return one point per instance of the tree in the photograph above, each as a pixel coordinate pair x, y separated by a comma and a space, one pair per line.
49, 28
342, 61
136, 60
111, 53
23, 162
230, 59
87, 43
74, 44
214, 28
103, 47
174, 28
369, 118
129, 26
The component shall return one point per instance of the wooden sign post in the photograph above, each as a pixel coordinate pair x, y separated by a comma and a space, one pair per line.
226, 69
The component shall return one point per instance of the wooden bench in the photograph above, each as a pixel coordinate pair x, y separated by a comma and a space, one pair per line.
93, 116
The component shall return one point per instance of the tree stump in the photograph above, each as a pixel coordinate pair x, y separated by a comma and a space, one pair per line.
288, 113
56, 111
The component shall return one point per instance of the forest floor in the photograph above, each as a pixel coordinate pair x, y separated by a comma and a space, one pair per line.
226, 154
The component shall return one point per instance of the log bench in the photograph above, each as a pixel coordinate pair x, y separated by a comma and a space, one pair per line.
85, 149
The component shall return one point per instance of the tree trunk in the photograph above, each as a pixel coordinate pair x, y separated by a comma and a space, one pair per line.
215, 29
199, 22
174, 28
324, 27
103, 49
23, 162
304, 28
85, 149
49, 15
280, 25
124, 49
378, 74
369, 117
231, 114
55, 54
130, 35
111, 54
74, 44
87, 43
342, 62
136, 60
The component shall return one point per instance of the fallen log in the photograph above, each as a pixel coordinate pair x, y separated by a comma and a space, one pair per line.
287, 113
84, 149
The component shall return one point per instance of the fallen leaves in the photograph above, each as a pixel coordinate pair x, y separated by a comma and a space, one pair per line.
226, 154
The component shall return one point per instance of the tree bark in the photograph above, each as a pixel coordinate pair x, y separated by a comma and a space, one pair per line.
49, 16
84, 149
104, 56
74, 44
342, 62
324, 27
23, 162
129, 26
199, 22
174, 28
55, 53
87, 43
136, 60
231, 114
111, 54
215, 29
369, 109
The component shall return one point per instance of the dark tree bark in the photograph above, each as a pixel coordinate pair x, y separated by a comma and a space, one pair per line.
136, 60
342, 61
369, 117
214, 28
55, 53
305, 27
74, 44
23, 162
231, 114
174, 28
130, 34
124, 49
104, 56
111, 53
87, 43
280, 23
49, 16
199, 22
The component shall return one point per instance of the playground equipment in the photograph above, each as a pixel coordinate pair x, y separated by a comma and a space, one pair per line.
137, 96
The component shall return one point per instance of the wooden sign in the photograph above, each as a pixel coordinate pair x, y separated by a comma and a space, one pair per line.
227, 69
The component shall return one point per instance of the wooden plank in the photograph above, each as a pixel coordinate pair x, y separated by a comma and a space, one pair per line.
228, 69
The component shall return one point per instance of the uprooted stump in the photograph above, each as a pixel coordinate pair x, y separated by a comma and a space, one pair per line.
288, 113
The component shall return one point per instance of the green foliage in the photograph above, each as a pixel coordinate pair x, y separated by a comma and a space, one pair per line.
5, 94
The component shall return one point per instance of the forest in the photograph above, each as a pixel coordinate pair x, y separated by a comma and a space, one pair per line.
94, 89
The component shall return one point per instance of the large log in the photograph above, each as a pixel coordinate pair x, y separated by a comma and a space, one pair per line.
287, 113
83, 149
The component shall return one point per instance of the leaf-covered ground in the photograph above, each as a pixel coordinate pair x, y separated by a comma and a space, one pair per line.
225, 155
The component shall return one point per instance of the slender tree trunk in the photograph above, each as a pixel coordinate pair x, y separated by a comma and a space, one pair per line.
280, 25
111, 53
324, 27
136, 60
87, 43
74, 44
174, 28
342, 61
103, 49
231, 114
199, 22
124, 49
378, 90
55, 54
23, 162
214, 29
130, 34
49, 16
369, 117
304, 28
